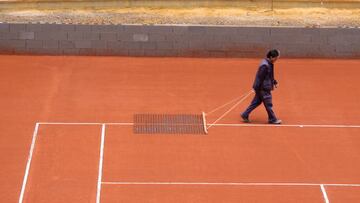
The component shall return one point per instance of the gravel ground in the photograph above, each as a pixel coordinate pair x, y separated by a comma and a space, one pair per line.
303, 17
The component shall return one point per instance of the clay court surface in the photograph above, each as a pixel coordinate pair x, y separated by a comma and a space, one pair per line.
67, 131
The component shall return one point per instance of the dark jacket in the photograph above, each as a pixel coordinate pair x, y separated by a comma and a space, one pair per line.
264, 79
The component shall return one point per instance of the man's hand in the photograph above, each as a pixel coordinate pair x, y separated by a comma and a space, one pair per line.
276, 83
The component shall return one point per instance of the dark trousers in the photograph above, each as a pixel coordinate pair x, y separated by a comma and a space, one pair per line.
261, 97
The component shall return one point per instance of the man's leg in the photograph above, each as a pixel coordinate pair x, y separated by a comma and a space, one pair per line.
267, 99
254, 103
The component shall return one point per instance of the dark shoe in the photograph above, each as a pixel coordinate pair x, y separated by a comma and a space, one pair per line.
245, 119
277, 122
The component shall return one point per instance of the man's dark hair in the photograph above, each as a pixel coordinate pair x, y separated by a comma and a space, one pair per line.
273, 53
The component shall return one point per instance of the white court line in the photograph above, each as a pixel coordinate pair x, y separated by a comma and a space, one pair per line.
68, 123
289, 125
324, 193
219, 125
230, 183
28, 164
98, 192
79, 123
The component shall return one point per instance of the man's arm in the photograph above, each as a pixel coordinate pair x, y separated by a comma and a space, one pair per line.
260, 77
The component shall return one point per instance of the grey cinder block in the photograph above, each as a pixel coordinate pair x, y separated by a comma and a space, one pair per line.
258, 38
133, 28
221, 30
110, 36
197, 30
350, 31
51, 35
33, 27
173, 38
98, 44
15, 43
344, 48
356, 48
50, 44
286, 31
58, 35
34, 44
165, 45
156, 37
342, 39
328, 31
4, 27
83, 28
253, 30
233, 38
318, 39
197, 44
179, 29
98, 28
149, 45
17, 27
262, 48
83, 44
75, 35
125, 36
106, 28
294, 39
67, 28
215, 46
114, 45
131, 45
4, 43
310, 31
65, 44
50, 27
236, 47
181, 45
26, 35
198, 37
160, 29
9, 35
42, 36
301, 50
140, 37
91, 36
327, 50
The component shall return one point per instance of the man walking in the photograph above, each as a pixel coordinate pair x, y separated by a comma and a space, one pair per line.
263, 85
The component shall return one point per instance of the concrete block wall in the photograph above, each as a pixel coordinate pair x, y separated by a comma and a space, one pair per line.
177, 40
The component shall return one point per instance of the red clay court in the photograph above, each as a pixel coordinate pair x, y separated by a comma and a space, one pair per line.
67, 131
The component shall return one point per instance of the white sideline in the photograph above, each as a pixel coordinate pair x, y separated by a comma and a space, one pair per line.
231, 183
28, 164
324, 193
98, 191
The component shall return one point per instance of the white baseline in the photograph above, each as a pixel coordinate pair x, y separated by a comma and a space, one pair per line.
219, 125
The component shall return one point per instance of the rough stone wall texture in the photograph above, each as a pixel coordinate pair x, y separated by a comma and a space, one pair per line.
178, 40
